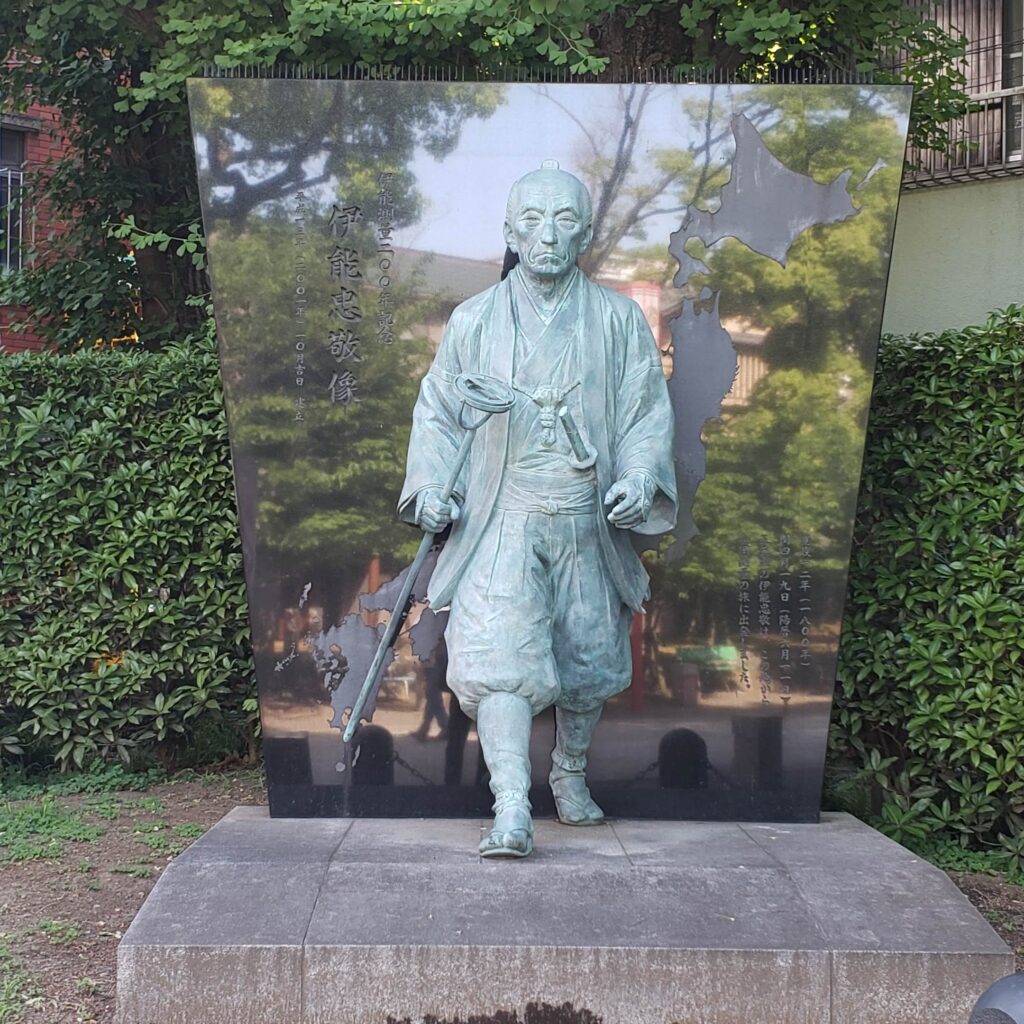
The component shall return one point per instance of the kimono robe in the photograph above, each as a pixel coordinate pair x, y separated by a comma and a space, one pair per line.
564, 638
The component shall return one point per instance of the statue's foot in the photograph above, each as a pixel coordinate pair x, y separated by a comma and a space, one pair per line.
573, 802
511, 834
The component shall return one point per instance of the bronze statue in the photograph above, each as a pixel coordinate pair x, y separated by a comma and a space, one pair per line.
539, 569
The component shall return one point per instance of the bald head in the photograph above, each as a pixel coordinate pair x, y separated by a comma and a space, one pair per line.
548, 222
550, 179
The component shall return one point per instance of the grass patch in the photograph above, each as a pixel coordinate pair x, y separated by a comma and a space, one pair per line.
60, 933
155, 835
16, 989
951, 856
38, 829
188, 830
135, 870
107, 807
254, 776
99, 778
152, 804
146, 827
161, 844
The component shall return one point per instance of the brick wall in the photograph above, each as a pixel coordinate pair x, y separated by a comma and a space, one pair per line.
44, 144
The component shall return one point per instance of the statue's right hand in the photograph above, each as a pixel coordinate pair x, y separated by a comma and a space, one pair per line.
432, 513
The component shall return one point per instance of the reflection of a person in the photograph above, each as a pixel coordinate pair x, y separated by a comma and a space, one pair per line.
435, 672
459, 725
541, 588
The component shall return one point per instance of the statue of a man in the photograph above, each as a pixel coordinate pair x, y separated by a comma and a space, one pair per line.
539, 568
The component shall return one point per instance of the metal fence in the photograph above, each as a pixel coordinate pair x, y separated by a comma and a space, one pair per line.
12, 220
986, 142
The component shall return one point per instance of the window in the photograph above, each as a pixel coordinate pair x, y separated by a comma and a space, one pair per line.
1013, 75
12, 158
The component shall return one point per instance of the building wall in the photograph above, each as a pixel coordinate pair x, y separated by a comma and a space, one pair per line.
957, 256
44, 144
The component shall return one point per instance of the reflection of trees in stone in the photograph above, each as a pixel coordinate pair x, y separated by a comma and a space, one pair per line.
266, 139
818, 132
767, 208
764, 204
787, 460
623, 198
326, 486
627, 190
829, 296
788, 463
318, 493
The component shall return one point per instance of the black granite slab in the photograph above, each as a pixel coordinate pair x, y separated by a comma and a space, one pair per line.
347, 219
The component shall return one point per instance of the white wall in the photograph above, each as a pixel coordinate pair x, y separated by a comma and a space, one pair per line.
958, 254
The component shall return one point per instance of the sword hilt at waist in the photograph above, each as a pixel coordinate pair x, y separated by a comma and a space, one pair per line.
584, 456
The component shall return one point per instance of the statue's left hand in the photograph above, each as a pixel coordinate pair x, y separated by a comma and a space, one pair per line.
631, 499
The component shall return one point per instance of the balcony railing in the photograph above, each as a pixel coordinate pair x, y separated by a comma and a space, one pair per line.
12, 220
986, 142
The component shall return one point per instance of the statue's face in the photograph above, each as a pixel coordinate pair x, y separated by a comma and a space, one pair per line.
548, 229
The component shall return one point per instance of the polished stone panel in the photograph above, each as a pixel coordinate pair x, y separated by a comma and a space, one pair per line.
637, 922
755, 240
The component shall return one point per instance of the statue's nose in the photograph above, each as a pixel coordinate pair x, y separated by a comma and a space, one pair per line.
548, 234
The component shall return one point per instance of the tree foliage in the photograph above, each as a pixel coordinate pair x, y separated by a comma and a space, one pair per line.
116, 69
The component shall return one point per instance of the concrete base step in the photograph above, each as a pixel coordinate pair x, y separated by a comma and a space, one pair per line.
335, 921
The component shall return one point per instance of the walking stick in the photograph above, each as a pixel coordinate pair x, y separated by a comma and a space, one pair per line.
488, 396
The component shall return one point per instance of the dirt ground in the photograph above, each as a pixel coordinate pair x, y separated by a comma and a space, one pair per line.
61, 917
1001, 903
88, 862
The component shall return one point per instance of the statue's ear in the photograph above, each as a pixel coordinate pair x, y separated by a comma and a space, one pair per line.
587, 238
510, 238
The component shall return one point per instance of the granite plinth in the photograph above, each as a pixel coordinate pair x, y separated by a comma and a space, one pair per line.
266, 920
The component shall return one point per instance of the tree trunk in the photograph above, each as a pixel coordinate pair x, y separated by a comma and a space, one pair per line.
658, 41
161, 159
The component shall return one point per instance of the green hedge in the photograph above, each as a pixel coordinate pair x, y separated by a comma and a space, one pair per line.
930, 703
122, 614
122, 609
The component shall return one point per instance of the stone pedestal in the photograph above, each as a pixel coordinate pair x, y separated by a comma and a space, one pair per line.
267, 921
